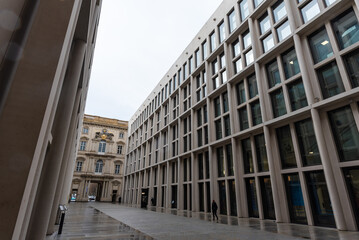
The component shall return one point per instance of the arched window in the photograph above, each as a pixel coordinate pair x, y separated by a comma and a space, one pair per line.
102, 146
99, 166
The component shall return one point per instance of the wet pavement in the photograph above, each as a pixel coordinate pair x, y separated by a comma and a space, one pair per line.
113, 221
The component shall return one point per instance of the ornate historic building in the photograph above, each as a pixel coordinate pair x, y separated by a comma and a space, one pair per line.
260, 113
46, 50
99, 164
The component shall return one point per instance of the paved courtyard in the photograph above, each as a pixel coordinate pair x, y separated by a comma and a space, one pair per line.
113, 221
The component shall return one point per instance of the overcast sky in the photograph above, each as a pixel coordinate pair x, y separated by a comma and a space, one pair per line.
137, 42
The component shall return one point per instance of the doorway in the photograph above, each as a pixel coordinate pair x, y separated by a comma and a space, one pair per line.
144, 197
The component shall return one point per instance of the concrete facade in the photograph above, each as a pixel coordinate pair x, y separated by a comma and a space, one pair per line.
100, 159
46, 50
260, 113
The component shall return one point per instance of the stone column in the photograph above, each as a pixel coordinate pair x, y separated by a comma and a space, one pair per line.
51, 169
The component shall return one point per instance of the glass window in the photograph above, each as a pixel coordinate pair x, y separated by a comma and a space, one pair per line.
197, 60
214, 67
235, 48
273, 74
267, 198
290, 63
257, 2
241, 93
330, 81
243, 118
222, 197
352, 65
346, 29
218, 125
264, 23
238, 66
252, 85
310, 10
249, 57
224, 76
220, 162
329, 2
283, 31
307, 143
297, 95
119, 149
243, 6
227, 126
102, 147
261, 153
352, 181
256, 113
345, 133
225, 102
286, 149
232, 21
247, 40
82, 145
221, 32
278, 104
222, 60
230, 167
85, 130
216, 82
320, 45
204, 50
117, 169
268, 43
79, 166
295, 198
252, 197
279, 11
232, 197
212, 42
99, 166
320, 200
247, 156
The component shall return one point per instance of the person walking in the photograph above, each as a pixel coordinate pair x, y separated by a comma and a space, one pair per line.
214, 209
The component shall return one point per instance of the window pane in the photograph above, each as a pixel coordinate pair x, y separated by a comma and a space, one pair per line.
257, 2
290, 63
232, 21
345, 133
346, 29
283, 31
268, 43
220, 162
218, 125
278, 104
225, 102
286, 149
295, 198
204, 50
247, 156
273, 74
261, 153
217, 107
320, 200
235, 48
256, 113
320, 45
264, 23
221, 32
244, 9
238, 66
241, 94
227, 126
307, 143
352, 181
243, 118
230, 167
352, 65
330, 81
297, 95
212, 42
279, 11
247, 41
310, 11
249, 57
329, 2
252, 197
252, 84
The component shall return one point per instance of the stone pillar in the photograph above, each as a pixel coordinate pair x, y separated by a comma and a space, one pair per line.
51, 169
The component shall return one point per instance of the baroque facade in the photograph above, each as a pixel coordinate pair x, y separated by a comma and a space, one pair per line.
259, 113
46, 50
99, 163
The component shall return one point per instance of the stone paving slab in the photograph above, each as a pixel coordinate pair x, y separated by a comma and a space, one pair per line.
182, 225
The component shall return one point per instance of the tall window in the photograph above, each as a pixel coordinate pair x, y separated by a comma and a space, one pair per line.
121, 135
102, 147
82, 145
117, 168
99, 166
85, 130
119, 149
78, 166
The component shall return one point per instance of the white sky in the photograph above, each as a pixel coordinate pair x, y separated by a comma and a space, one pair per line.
137, 43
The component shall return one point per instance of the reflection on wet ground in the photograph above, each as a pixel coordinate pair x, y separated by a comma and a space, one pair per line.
84, 222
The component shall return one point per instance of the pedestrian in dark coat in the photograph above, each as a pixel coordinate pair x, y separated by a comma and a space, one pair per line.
214, 209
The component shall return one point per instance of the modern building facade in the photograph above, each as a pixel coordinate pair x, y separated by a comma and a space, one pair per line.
259, 113
100, 159
46, 50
